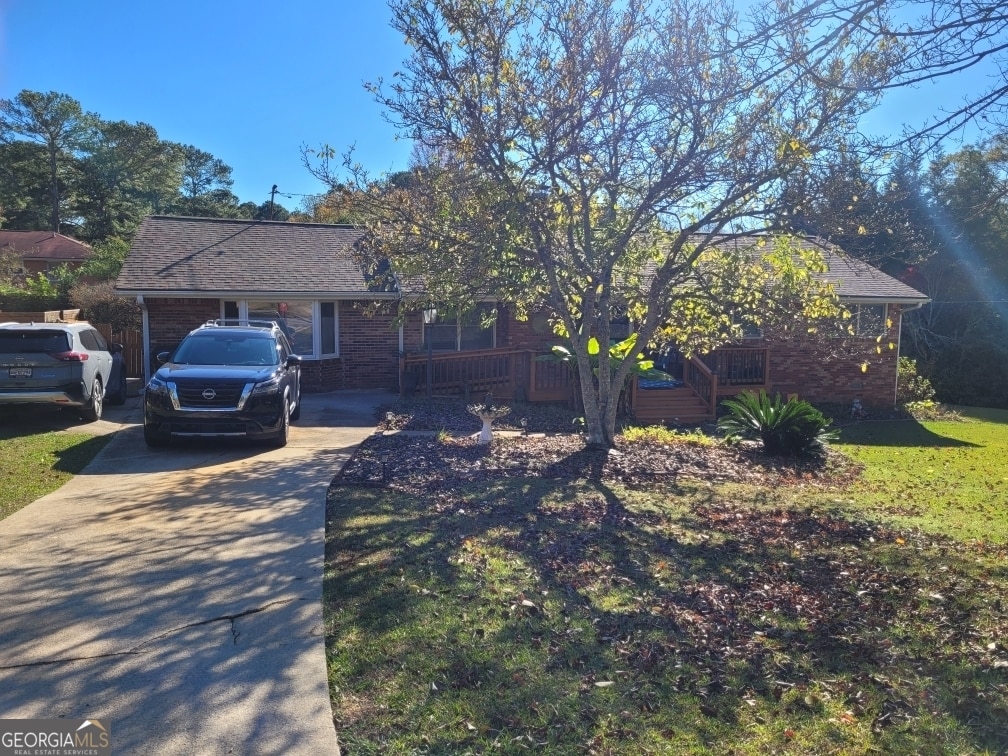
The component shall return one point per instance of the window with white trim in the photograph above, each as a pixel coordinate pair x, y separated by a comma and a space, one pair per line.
312, 326
454, 333
869, 320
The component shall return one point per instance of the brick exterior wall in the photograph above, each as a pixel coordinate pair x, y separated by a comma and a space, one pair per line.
369, 353
171, 319
822, 374
369, 345
831, 374
534, 333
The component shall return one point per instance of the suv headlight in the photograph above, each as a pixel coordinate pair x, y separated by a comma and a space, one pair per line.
157, 386
271, 386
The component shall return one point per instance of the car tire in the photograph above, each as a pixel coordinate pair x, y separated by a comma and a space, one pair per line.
93, 410
154, 440
283, 435
295, 414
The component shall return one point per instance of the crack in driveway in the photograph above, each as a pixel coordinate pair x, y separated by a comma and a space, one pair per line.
137, 649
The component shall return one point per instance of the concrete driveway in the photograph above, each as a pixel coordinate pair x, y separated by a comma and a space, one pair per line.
176, 594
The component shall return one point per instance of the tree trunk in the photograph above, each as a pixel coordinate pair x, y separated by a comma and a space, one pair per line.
594, 430
54, 218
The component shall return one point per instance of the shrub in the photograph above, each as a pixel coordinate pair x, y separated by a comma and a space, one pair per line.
791, 427
659, 434
929, 410
100, 304
911, 387
24, 300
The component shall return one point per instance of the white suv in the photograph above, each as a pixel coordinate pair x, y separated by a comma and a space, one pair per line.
66, 364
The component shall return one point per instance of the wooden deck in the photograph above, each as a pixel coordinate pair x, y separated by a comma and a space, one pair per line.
511, 374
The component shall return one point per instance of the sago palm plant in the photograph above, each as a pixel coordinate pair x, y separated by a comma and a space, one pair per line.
785, 427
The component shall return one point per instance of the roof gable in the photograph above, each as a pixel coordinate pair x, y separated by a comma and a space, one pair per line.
183, 256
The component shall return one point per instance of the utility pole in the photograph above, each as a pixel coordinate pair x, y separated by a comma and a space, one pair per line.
273, 192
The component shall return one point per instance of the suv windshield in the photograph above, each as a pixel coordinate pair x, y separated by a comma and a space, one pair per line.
226, 349
24, 342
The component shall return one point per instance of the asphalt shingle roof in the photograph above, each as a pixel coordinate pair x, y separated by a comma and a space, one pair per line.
856, 279
177, 255
852, 279
44, 245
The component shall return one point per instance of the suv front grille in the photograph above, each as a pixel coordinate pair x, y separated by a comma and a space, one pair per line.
196, 394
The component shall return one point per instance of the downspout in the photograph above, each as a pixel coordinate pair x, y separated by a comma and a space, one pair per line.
146, 338
899, 345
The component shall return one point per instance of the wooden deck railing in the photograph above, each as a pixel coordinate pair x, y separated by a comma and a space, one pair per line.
472, 373
506, 373
549, 381
703, 381
510, 373
739, 367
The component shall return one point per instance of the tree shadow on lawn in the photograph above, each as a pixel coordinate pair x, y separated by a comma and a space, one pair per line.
896, 433
564, 614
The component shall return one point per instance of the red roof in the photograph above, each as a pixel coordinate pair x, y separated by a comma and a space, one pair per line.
44, 245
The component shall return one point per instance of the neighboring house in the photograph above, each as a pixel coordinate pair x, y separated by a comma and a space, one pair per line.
185, 271
43, 251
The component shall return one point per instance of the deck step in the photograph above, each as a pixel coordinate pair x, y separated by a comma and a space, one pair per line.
676, 406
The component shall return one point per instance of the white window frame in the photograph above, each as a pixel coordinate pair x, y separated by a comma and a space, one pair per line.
861, 332
442, 321
316, 353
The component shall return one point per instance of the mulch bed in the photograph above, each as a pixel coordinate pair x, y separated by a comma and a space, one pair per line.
448, 454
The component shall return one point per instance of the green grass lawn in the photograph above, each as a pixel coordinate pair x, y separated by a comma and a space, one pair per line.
33, 464
944, 476
530, 615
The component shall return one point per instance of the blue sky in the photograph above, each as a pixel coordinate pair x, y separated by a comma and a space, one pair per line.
250, 82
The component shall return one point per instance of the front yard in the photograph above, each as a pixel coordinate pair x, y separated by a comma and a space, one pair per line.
40, 450
678, 598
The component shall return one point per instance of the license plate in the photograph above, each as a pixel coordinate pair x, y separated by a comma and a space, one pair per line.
20, 372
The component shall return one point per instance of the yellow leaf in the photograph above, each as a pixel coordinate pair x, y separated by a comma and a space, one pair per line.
862, 230
864, 367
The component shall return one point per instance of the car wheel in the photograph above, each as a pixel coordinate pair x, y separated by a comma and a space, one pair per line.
283, 434
153, 439
93, 410
295, 414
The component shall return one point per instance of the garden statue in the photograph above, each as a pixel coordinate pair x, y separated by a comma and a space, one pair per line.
487, 412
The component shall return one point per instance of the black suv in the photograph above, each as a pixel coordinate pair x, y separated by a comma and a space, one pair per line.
226, 378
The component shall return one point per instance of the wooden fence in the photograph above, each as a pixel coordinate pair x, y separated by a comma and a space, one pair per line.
132, 342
